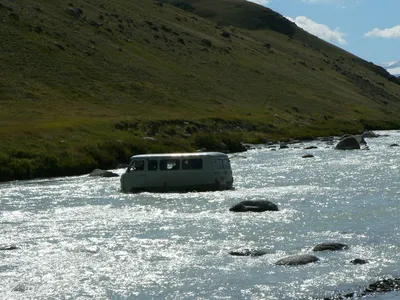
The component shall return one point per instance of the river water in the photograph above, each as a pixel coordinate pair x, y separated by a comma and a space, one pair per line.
81, 238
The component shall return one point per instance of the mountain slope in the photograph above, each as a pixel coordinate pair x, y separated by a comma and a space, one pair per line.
79, 74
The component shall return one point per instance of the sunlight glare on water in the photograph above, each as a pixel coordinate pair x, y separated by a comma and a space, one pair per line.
81, 238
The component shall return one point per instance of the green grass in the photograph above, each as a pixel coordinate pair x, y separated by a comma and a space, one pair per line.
82, 92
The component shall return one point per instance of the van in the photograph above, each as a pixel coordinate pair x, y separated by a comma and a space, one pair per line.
178, 172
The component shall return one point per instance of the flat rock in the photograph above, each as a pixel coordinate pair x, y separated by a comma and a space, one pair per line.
359, 261
8, 247
296, 260
248, 252
254, 206
330, 247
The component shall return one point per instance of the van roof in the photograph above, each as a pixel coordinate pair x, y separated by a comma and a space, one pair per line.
192, 154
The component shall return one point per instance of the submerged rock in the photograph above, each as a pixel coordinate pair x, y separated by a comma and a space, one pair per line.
359, 261
19, 288
103, 173
380, 286
370, 134
248, 252
296, 260
8, 247
254, 206
330, 247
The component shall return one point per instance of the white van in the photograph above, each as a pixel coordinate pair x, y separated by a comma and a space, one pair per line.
200, 171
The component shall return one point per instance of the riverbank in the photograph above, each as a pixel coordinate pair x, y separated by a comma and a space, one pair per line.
97, 83
46, 151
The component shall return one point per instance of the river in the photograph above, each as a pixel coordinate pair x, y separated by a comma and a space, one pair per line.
81, 238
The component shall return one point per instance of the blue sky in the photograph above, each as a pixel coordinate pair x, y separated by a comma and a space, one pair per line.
369, 29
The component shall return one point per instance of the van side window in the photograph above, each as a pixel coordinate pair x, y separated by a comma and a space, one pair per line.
152, 165
192, 164
227, 164
219, 164
169, 164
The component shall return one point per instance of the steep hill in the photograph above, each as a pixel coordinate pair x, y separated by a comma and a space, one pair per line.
84, 82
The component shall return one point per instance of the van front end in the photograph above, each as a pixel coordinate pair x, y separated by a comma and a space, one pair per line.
125, 188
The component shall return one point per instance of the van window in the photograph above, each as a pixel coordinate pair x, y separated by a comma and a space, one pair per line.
169, 164
152, 165
219, 164
192, 164
227, 164
137, 165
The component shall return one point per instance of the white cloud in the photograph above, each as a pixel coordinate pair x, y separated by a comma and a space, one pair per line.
388, 33
320, 30
261, 2
394, 71
392, 67
391, 64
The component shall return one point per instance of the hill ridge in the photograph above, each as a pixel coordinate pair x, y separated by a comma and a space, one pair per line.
72, 73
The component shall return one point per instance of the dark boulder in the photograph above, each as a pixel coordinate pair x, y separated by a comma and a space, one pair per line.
380, 286
307, 156
254, 206
248, 252
394, 145
103, 173
384, 285
348, 143
358, 261
330, 247
311, 147
296, 260
369, 134
283, 146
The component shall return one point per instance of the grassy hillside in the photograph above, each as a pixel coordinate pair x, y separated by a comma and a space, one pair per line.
87, 84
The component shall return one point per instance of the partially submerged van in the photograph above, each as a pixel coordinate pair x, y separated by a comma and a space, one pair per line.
175, 172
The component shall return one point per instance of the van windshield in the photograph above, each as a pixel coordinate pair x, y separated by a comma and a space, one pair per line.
136, 165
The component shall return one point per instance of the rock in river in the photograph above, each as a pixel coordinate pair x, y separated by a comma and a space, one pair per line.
296, 260
359, 261
330, 247
348, 143
8, 247
254, 205
248, 252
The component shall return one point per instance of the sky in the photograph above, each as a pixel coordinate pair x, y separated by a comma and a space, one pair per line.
369, 29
